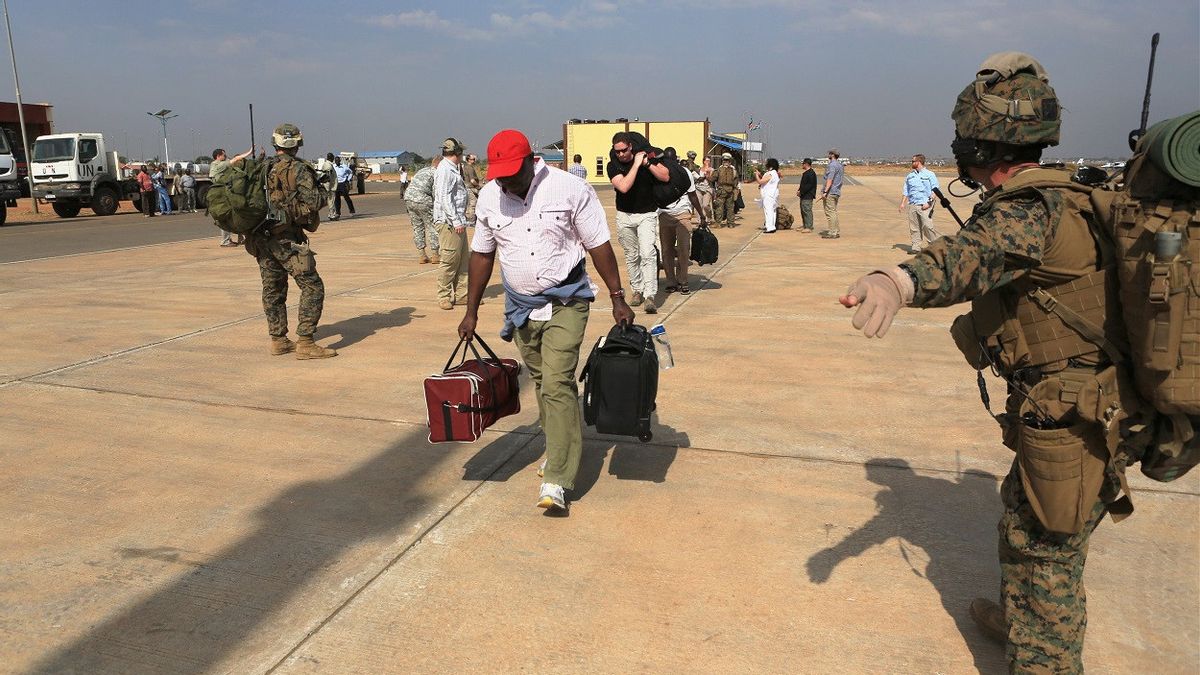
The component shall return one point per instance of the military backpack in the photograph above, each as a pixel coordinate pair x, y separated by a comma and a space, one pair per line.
237, 203
295, 192
1142, 308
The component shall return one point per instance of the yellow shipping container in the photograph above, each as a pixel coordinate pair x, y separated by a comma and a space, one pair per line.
593, 140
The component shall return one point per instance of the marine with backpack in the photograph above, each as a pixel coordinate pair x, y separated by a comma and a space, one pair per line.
278, 202
1083, 299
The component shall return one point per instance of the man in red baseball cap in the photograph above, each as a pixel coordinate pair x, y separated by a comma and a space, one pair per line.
543, 222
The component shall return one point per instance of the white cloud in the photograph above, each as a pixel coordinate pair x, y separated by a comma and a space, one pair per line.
594, 14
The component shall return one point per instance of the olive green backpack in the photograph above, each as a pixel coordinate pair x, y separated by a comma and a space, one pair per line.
238, 203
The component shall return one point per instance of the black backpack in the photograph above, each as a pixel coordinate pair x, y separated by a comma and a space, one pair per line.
666, 194
704, 246
621, 382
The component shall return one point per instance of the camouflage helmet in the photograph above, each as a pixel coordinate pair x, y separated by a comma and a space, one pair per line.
287, 135
1010, 101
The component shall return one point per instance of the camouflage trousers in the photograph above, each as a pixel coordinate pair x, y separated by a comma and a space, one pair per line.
421, 216
472, 199
722, 206
277, 259
1041, 585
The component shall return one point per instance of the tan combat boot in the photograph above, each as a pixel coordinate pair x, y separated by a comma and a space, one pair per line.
307, 349
435, 259
990, 619
281, 346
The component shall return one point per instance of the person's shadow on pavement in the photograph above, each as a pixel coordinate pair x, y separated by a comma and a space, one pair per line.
631, 459
942, 518
355, 330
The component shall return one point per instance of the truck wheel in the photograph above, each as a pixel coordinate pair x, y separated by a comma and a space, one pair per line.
362, 184
3, 213
202, 197
104, 201
68, 209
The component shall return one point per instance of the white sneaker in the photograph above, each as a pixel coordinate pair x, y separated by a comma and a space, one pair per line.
542, 468
551, 497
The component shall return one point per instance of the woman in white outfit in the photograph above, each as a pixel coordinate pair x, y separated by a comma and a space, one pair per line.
768, 186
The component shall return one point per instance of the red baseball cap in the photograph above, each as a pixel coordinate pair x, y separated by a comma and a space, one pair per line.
506, 151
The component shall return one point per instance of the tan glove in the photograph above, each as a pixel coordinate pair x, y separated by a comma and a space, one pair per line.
878, 296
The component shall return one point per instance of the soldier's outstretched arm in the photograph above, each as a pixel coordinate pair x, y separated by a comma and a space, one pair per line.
991, 250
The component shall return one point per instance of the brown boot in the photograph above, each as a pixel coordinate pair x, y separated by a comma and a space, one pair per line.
435, 259
281, 346
307, 349
990, 619
423, 261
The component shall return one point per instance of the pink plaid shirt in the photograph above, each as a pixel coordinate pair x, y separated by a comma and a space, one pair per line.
541, 239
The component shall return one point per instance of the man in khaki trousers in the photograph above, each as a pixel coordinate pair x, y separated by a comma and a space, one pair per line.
450, 219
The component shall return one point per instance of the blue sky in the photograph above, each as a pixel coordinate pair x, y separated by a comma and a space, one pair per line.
873, 78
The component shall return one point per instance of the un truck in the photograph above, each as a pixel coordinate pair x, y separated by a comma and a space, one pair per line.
76, 170
10, 180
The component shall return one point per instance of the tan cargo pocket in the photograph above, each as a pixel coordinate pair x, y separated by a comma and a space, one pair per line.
1062, 475
1062, 469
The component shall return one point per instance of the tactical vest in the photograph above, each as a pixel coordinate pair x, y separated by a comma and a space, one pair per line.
726, 176
1063, 311
1117, 285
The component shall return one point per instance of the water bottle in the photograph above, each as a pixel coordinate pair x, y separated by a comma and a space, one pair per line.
1167, 245
662, 347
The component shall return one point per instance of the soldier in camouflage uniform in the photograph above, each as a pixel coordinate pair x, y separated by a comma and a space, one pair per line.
1023, 240
724, 177
281, 248
418, 199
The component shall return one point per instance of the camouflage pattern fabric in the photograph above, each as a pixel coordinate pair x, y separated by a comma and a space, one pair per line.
1041, 572
278, 258
1020, 108
1041, 585
420, 188
723, 205
423, 228
1000, 243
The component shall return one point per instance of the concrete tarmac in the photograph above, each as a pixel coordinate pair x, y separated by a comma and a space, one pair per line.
179, 501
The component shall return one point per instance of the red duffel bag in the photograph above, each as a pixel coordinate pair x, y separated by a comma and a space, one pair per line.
470, 397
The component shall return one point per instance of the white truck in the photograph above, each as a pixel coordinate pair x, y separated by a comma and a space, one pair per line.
76, 170
10, 181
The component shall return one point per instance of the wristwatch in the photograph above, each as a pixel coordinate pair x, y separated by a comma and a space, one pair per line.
619, 293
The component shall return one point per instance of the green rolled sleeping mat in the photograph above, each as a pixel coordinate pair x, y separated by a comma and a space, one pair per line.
1174, 147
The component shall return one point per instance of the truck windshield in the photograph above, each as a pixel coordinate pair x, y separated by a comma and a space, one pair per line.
53, 149
5, 148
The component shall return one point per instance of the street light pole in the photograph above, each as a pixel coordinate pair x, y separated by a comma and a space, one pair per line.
162, 115
20, 111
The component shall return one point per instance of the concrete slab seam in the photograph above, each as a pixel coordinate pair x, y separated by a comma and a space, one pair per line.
199, 331
403, 552
710, 277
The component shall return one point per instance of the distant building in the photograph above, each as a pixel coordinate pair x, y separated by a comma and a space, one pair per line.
388, 161
592, 139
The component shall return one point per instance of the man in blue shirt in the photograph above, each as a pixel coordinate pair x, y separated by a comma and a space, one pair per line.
830, 194
345, 176
577, 167
917, 199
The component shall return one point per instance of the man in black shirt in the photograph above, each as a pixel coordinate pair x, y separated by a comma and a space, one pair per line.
807, 193
633, 176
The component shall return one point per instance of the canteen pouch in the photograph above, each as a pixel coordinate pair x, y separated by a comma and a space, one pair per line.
1062, 468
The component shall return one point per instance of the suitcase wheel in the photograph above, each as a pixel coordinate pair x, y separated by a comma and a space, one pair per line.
645, 437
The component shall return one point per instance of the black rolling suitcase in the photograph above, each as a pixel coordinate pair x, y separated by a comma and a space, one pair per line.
621, 382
